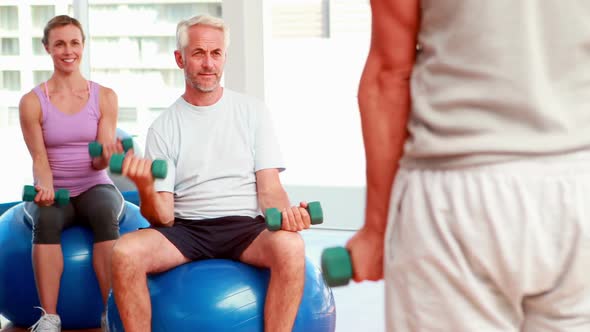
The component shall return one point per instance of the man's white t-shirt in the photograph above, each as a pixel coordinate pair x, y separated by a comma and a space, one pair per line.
213, 153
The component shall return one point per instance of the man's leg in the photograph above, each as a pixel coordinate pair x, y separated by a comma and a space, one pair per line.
564, 306
451, 256
284, 254
134, 256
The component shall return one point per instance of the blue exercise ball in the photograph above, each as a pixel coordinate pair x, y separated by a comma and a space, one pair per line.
80, 303
225, 295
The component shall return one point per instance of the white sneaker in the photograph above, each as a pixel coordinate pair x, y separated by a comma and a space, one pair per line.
47, 323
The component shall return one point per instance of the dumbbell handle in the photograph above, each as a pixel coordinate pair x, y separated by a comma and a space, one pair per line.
274, 217
336, 266
95, 148
62, 196
159, 167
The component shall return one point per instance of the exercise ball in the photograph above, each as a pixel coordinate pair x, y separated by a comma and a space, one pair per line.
225, 295
80, 303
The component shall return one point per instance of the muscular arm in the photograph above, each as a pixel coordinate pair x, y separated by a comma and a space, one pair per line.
384, 99
107, 124
30, 121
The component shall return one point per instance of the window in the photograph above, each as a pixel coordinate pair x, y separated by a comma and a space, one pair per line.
300, 18
9, 46
10, 80
127, 114
8, 18
37, 46
40, 15
40, 76
317, 55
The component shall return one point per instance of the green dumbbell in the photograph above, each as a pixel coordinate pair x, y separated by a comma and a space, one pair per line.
62, 196
95, 148
336, 266
159, 167
274, 217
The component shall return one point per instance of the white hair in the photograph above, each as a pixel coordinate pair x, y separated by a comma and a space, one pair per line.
208, 20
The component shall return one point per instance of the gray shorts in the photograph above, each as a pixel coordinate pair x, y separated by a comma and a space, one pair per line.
100, 208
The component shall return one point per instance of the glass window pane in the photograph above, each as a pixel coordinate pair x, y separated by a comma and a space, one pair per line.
40, 76
289, 69
127, 114
40, 15
37, 46
9, 46
300, 18
10, 80
8, 18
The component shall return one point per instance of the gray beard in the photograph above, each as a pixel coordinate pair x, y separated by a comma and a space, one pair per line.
201, 88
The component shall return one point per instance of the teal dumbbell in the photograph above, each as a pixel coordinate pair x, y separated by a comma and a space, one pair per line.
95, 148
274, 217
336, 266
62, 196
159, 167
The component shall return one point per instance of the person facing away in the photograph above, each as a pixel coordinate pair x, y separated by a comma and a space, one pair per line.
59, 118
484, 127
223, 169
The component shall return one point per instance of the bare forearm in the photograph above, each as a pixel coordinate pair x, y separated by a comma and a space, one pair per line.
154, 208
42, 172
275, 198
384, 101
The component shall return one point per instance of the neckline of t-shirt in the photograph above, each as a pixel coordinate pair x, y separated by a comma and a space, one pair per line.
205, 109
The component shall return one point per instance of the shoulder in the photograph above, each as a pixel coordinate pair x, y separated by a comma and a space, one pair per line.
106, 93
30, 100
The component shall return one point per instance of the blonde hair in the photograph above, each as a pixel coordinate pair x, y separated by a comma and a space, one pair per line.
207, 20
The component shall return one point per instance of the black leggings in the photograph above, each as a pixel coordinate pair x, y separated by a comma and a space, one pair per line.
100, 207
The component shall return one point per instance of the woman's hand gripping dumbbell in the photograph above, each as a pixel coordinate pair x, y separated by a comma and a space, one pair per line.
60, 196
95, 148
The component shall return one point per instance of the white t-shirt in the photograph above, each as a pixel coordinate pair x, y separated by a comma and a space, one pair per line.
213, 153
499, 80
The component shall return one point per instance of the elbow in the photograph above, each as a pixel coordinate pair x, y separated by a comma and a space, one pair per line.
167, 219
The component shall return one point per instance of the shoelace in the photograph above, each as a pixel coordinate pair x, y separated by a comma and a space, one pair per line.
34, 327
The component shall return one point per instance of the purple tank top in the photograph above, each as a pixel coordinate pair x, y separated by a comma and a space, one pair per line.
66, 140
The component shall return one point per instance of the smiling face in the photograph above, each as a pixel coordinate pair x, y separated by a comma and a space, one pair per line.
65, 45
203, 58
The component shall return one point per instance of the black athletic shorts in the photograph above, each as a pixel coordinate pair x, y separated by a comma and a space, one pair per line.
225, 237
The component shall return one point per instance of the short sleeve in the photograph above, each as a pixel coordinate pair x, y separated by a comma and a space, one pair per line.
157, 148
267, 152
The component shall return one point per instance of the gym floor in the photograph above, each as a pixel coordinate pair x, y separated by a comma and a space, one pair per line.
359, 307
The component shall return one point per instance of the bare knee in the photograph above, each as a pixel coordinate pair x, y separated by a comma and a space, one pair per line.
127, 253
288, 250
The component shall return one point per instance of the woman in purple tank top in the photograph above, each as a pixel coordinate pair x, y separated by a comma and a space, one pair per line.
59, 118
